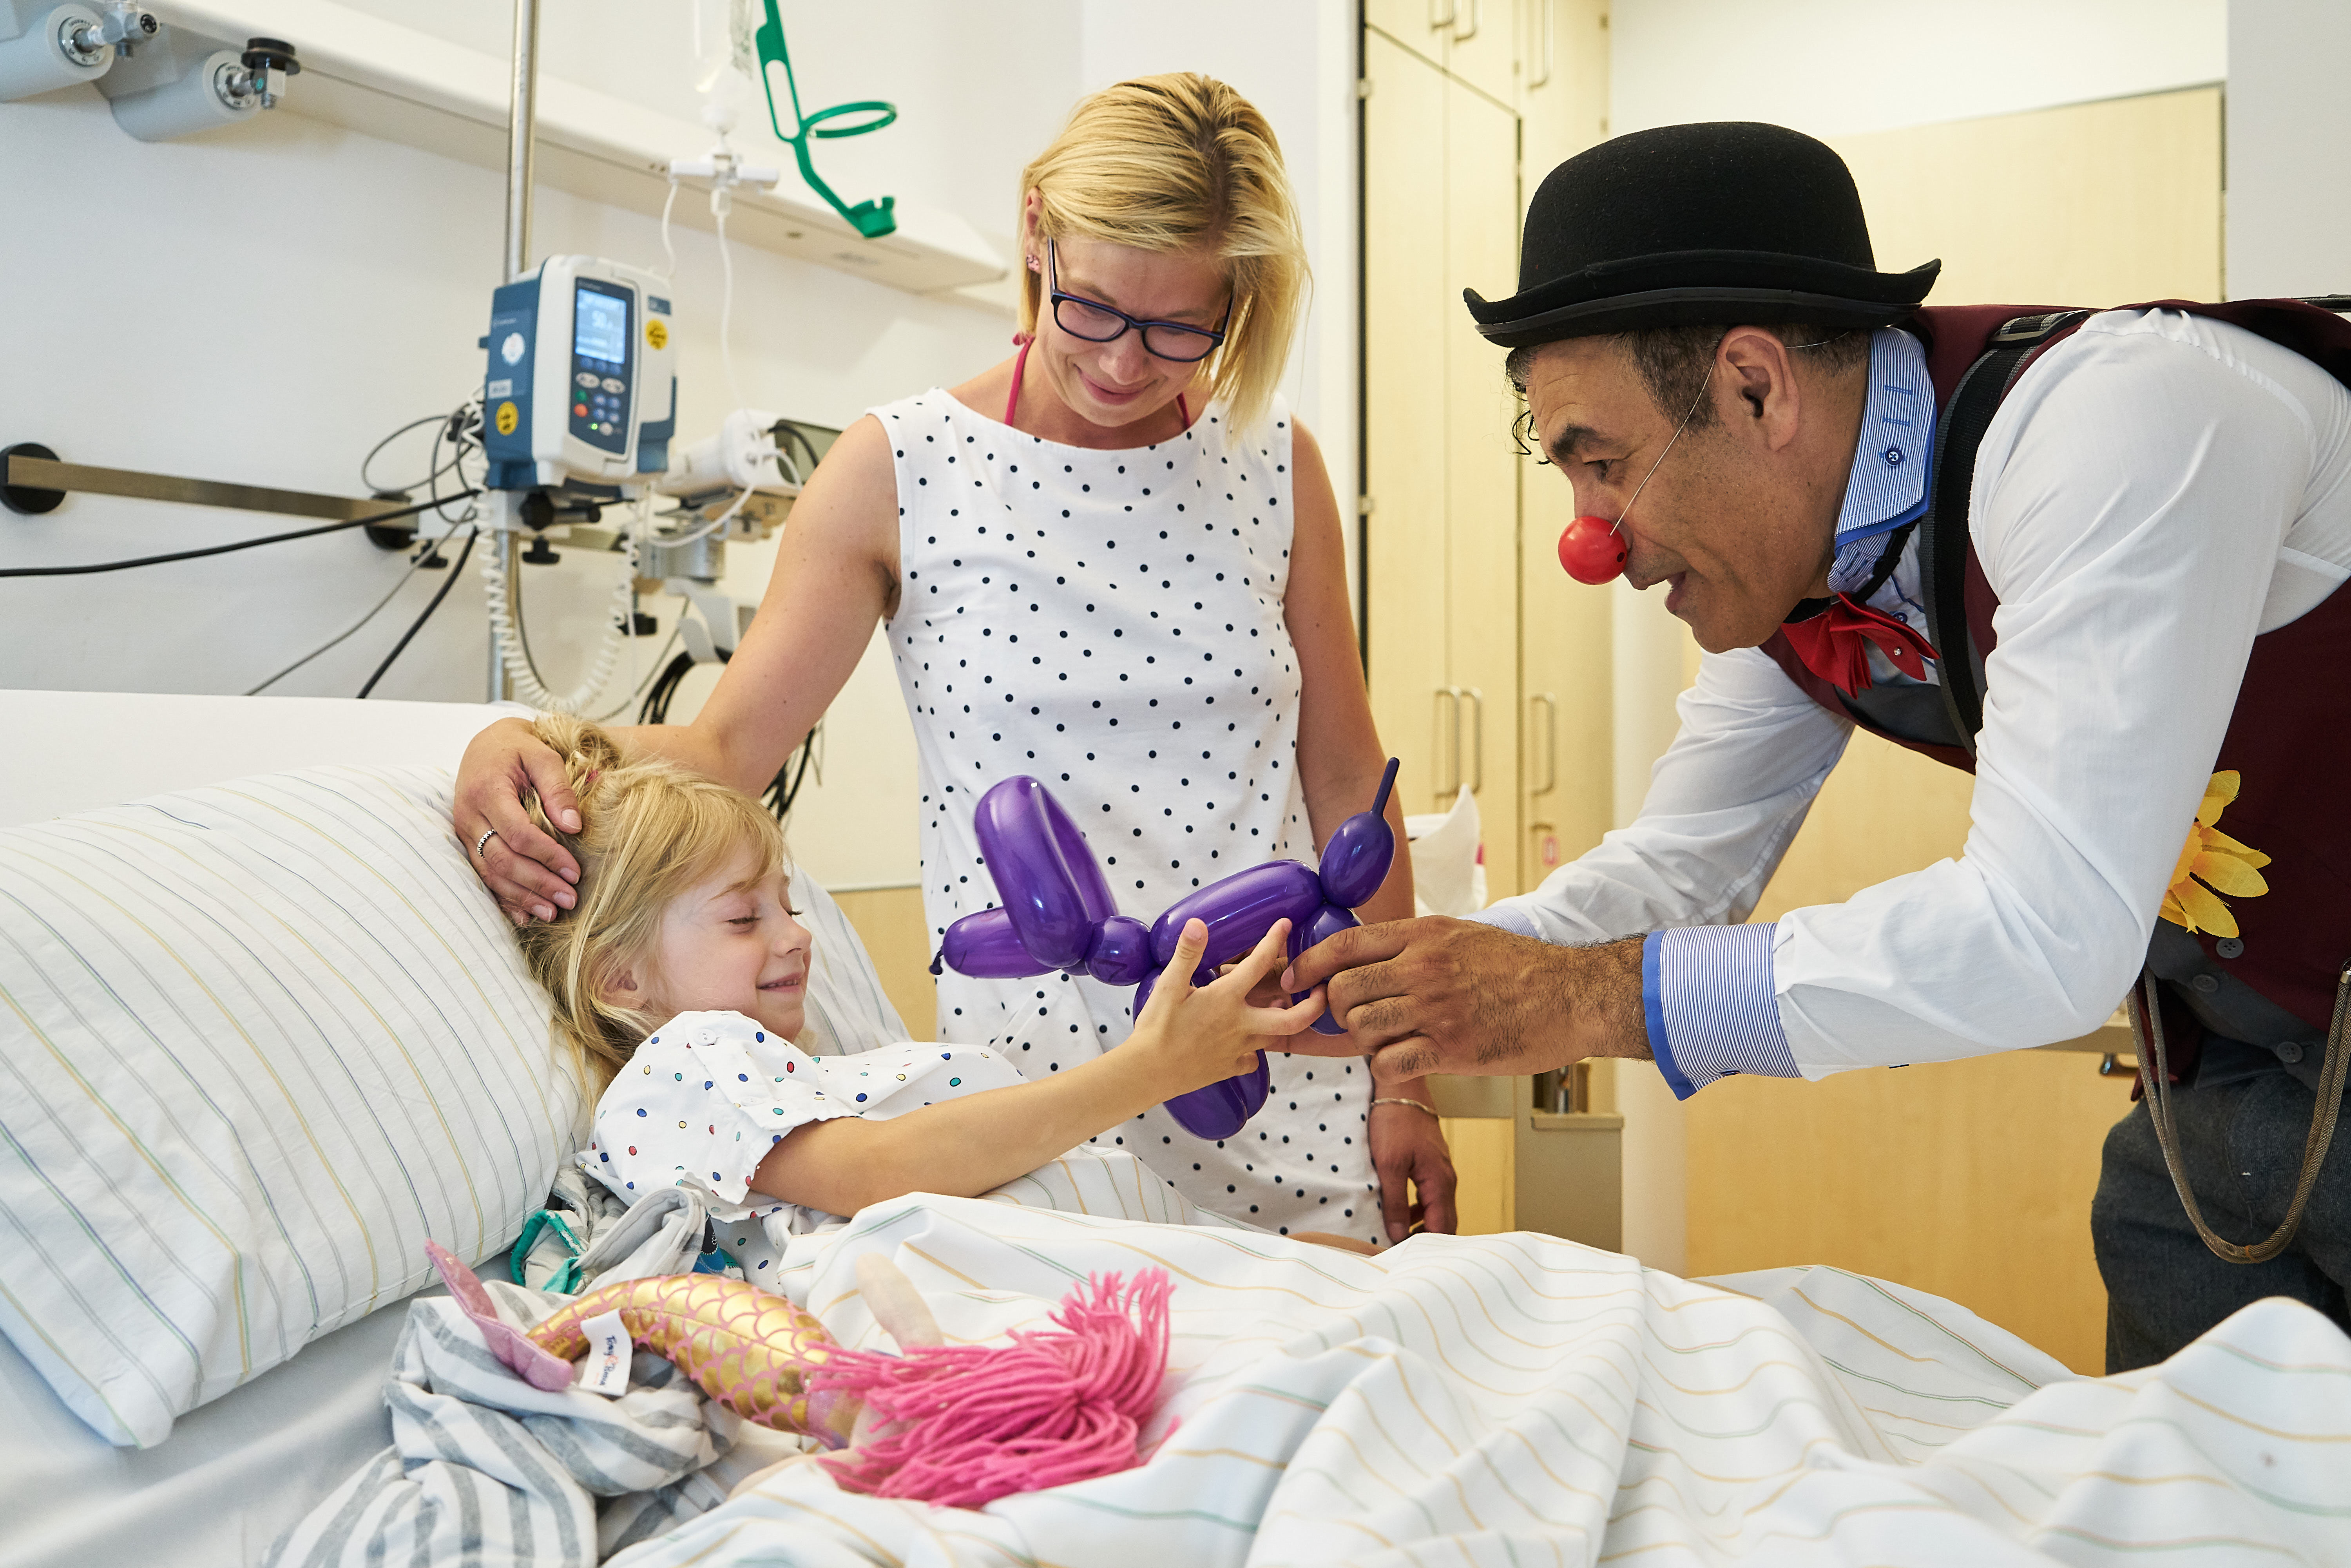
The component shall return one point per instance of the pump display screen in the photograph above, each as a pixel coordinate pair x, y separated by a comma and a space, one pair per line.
600, 316
600, 327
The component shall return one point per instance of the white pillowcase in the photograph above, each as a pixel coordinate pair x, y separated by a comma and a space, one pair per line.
259, 1042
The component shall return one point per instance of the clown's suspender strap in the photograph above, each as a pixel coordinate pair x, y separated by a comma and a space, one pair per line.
1943, 527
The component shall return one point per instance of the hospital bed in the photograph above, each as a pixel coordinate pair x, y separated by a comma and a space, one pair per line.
1489, 1398
237, 1471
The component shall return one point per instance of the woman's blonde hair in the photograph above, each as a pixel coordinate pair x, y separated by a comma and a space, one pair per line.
649, 831
1165, 163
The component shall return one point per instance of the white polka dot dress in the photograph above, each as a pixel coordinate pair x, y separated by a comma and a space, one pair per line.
1111, 623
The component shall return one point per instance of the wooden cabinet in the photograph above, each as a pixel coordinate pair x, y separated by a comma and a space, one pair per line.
1476, 639
1566, 773
1477, 644
1441, 602
1485, 45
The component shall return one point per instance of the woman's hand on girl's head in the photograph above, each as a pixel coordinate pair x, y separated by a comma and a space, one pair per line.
1199, 1036
529, 873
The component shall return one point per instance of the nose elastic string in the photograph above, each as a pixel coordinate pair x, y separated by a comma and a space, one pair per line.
1617, 528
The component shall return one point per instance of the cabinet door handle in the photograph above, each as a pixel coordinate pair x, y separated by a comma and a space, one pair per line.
1451, 696
1463, 35
1443, 12
1476, 738
1549, 750
1544, 47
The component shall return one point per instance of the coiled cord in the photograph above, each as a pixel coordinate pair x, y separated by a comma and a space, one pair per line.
514, 652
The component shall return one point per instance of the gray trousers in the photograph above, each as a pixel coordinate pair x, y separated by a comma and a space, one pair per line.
2241, 1142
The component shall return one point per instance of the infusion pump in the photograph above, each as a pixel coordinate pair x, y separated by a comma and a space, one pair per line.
581, 390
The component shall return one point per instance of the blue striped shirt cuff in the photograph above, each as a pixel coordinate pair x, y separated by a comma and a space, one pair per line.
1517, 922
1707, 993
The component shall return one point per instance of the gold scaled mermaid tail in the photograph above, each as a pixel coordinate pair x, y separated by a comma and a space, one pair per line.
749, 1349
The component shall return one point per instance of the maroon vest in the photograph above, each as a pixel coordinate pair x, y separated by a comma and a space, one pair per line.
2289, 736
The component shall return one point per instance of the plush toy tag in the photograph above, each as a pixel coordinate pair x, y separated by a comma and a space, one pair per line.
605, 1369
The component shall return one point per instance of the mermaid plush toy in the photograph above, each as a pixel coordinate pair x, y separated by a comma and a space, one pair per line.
959, 1425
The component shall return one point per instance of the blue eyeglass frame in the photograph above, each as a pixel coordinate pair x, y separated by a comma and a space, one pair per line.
1130, 323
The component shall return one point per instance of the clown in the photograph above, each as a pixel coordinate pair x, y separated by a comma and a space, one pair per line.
2091, 556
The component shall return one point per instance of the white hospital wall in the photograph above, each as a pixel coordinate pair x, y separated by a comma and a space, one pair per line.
2289, 213
1295, 60
264, 304
1840, 66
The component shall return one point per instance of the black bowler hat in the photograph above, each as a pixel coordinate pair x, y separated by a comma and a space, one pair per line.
1697, 224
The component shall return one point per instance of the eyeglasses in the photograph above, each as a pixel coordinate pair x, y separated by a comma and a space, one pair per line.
1098, 324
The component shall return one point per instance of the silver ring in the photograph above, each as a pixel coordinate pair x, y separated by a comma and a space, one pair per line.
485, 839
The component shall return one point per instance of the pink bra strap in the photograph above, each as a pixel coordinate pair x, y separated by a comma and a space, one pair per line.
1020, 363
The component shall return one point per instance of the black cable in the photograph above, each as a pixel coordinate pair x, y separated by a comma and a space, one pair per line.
392, 516
418, 624
785, 788
402, 582
368, 483
652, 672
454, 430
656, 704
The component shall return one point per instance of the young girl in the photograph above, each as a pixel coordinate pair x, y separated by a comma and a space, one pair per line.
679, 980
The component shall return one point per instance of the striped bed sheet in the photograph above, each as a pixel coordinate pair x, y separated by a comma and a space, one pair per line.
1518, 1399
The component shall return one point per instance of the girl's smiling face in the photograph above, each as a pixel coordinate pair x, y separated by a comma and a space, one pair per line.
730, 944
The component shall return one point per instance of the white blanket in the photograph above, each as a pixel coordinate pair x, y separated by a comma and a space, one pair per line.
1514, 1399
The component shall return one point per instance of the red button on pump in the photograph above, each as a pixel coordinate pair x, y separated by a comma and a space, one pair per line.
1592, 550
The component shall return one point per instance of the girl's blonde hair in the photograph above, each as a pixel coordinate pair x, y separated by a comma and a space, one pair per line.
1165, 163
649, 831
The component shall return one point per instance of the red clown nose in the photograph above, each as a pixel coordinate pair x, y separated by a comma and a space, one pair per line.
1592, 550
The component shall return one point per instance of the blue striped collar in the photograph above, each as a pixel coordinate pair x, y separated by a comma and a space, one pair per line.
1887, 486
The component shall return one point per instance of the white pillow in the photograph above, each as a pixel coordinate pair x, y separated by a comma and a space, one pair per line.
259, 1042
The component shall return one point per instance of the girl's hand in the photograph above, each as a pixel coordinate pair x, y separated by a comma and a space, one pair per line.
1199, 1037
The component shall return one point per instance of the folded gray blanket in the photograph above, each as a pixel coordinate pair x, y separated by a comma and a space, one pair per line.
483, 1468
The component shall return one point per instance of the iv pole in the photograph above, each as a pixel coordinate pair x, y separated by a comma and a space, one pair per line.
522, 147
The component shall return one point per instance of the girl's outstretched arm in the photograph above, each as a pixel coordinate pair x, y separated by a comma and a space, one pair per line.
1186, 1040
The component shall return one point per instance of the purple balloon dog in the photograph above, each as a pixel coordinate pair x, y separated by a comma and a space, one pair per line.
1058, 913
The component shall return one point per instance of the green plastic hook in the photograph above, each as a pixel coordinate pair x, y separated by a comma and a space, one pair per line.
872, 219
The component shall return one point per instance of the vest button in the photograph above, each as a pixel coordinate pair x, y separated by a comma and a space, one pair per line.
2205, 984
2290, 1052
2228, 948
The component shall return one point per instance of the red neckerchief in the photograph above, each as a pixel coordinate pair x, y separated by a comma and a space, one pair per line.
1834, 644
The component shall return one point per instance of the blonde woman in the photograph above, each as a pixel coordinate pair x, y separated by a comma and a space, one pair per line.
1113, 562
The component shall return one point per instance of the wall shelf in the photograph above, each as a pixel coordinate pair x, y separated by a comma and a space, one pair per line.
381, 80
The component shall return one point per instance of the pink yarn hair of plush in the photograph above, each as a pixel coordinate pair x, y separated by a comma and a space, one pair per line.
963, 1424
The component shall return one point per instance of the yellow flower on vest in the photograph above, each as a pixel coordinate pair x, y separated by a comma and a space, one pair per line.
2211, 862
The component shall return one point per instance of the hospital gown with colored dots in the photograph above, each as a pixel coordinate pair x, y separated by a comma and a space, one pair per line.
708, 1095
1111, 623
